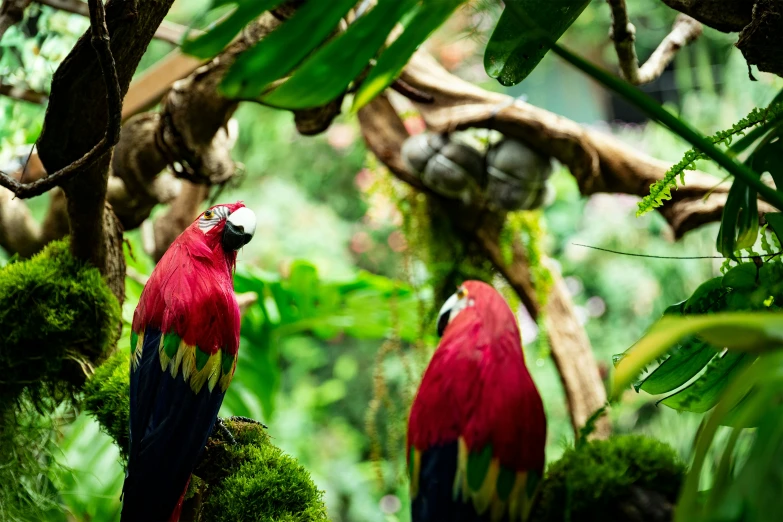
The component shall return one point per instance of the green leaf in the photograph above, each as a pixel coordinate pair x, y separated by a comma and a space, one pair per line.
765, 378
775, 220
726, 242
328, 72
517, 44
705, 296
703, 394
745, 331
280, 52
213, 41
428, 17
683, 364
741, 277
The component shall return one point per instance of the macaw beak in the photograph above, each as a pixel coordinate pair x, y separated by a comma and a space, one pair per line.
239, 229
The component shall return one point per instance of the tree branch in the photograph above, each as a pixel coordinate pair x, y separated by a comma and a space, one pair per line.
101, 43
75, 122
598, 161
11, 12
623, 33
166, 31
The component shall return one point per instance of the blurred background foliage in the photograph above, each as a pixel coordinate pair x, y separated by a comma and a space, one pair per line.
328, 369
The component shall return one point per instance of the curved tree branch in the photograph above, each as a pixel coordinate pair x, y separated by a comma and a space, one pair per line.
598, 161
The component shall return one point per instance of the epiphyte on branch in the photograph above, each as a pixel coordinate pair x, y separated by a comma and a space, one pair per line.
451, 169
517, 176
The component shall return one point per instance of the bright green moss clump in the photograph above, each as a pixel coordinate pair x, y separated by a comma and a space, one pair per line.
106, 398
609, 479
256, 481
56, 316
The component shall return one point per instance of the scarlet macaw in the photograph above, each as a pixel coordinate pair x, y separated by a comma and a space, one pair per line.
477, 428
184, 344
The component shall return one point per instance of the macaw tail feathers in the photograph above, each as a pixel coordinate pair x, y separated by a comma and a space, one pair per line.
170, 424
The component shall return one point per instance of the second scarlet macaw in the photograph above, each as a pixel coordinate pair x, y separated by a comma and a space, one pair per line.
184, 346
477, 428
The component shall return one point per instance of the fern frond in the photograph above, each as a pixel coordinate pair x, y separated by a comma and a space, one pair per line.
661, 190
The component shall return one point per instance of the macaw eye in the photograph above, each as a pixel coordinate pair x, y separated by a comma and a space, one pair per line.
212, 217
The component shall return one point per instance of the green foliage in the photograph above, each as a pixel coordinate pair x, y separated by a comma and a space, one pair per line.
597, 480
697, 334
256, 481
57, 316
301, 47
661, 189
211, 43
28, 442
523, 36
424, 19
280, 52
303, 304
106, 398
745, 486
336, 64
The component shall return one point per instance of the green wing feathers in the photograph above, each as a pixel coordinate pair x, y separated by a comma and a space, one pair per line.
491, 488
197, 367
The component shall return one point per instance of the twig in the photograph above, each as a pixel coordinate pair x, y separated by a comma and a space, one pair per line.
410, 92
623, 33
167, 31
22, 94
101, 43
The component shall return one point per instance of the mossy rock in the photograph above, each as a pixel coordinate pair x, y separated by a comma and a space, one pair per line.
250, 481
57, 316
624, 478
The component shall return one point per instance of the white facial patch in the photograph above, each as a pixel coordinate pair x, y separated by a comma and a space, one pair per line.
244, 219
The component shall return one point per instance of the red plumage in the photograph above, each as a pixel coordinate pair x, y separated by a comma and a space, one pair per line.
191, 291
477, 389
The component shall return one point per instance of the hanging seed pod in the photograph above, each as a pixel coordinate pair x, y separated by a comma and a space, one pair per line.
451, 169
517, 176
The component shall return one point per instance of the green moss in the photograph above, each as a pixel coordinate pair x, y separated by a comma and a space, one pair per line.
255, 480
106, 398
600, 479
57, 316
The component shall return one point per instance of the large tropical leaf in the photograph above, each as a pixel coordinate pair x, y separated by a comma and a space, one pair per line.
285, 48
745, 489
428, 17
524, 34
326, 74
216, 38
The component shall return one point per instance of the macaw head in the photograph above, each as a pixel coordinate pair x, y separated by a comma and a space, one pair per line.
230, 225
475, 301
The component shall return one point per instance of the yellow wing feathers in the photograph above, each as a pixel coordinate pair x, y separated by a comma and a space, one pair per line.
196, 367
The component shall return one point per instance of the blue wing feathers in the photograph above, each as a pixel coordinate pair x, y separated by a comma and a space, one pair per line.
169, 427
435, 501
